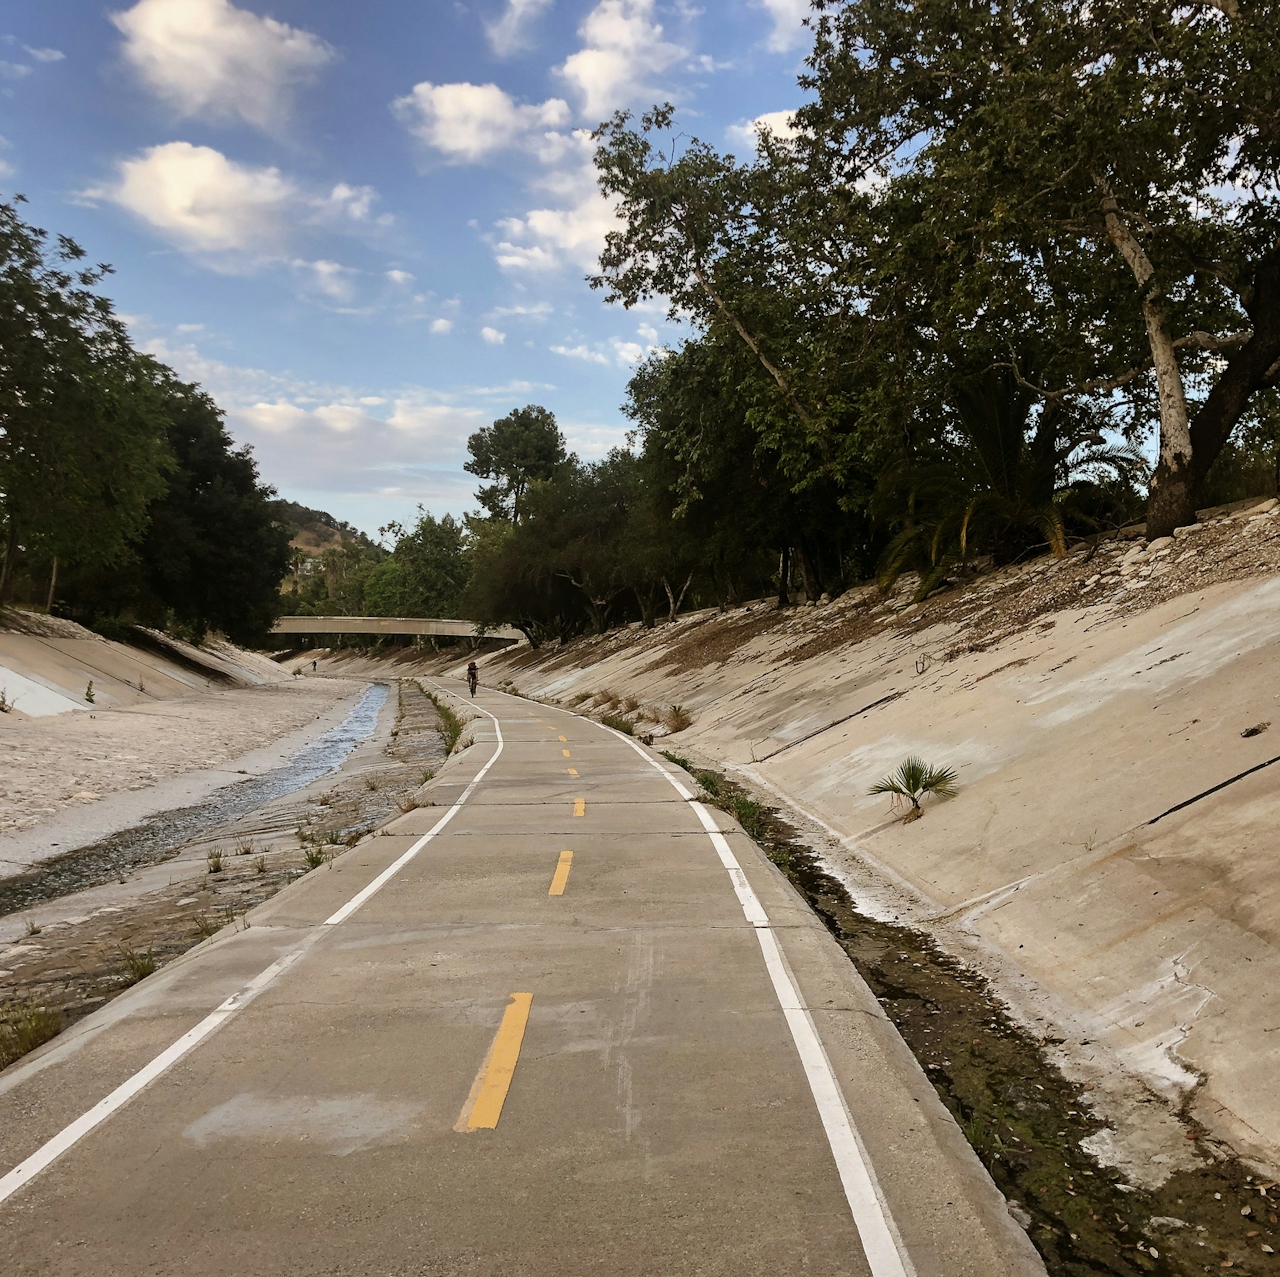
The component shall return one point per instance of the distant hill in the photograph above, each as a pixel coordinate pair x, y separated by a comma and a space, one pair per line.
315, 531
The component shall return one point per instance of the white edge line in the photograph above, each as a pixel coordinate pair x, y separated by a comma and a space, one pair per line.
881, 1242
71, 1135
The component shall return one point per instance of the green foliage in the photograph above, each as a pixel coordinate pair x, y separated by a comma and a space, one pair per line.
519, 449
451, 726
913, 780
137, 966
618, 723
426, 573
23, 1027
82, 447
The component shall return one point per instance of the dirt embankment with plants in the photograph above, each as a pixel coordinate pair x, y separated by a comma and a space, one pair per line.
1106, 866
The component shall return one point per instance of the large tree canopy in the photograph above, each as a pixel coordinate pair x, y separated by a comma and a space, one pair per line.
1105, 173
82, 437
524, 446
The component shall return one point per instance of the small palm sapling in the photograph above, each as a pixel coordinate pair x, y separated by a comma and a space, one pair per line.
913, 780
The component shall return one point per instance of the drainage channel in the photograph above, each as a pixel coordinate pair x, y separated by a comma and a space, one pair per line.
1022, 1117
162, 836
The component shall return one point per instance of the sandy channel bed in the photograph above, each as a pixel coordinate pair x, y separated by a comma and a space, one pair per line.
52, 767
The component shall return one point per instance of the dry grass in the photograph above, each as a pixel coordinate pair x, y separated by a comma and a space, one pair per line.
23, 1027
604, 698
213, 859
628, 704
245, 847
675, 718
407, 803
137, 966
315, 857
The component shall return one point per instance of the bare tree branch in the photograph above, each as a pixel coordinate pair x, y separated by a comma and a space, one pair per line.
1207, 341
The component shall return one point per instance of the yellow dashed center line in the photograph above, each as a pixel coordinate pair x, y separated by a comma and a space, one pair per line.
579, 806
573, 771
566, 753
561, 875
489, 1091
564, 738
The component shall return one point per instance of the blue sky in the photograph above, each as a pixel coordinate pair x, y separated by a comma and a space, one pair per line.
364, 227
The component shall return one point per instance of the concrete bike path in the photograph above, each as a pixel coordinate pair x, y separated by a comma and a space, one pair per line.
572, 1031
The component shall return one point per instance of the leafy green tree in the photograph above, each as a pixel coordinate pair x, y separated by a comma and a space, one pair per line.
519, 449
426, 573
82, 438
1105, 171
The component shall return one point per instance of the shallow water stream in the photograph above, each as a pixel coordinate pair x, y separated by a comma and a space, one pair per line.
162, 836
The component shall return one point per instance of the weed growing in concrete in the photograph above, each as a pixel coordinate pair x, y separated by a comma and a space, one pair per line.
260, 865
913, 780
213, 858
407, 803
428, 774
23, 1027
206, 925
32, 929
245, 847
679, 762
675, 718
450, 724
137, 966
372, 784
315, 857
618, 723
629, 705
88, 693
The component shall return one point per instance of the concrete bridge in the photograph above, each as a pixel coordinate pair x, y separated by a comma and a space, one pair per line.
391, 625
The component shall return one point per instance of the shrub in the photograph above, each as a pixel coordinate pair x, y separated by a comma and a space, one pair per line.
24, 1027
618, 723
213, 858
675, 718
137, 966
315, 857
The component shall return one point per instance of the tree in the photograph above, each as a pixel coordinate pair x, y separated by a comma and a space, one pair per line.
517, 450
215, 552
82, 439
426, 573
1109, 168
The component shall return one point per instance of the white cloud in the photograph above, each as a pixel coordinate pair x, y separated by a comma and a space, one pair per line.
401, 277
788, 17
441, 326
14, 70
208, 58
203, 201
614, 353
234, 215
493, 336
746, 133
622, 48
510, 32
6, 169
538, 311
332, 279
545, 238
45, 55
467, 122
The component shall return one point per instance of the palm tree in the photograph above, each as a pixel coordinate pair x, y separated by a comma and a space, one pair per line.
913, 780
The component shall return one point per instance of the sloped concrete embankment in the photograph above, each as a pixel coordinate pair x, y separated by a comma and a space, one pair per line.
1138, 937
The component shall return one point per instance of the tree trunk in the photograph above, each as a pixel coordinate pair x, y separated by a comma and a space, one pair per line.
53, 583
784, 577
674, 600
10, 557
648, 612
1171, 501
809, 577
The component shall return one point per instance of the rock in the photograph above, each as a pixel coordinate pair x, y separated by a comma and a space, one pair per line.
1188, 530
1265, 508
1159, 544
